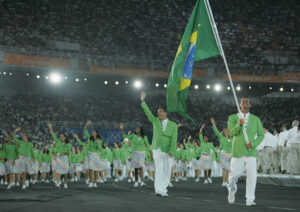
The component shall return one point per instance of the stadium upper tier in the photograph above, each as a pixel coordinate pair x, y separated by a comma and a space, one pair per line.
147, 32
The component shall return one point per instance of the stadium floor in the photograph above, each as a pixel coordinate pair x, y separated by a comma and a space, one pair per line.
122, 196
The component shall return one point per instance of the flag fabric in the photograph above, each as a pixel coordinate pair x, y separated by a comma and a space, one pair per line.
198, 42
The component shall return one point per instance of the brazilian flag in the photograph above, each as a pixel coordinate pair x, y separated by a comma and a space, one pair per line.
198, 43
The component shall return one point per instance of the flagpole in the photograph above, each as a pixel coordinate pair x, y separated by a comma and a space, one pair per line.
216, 34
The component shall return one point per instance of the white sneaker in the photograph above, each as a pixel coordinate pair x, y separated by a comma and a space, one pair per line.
101, 181
1, 182
116, 180
24, 187
9, 186
209, 180
27, 183
224, 184
205, 181
76, 179
250, 203
65, 185
87, 181
136, 184
231, 199
34, 182
176, 180
43, 181
47, 181
142, 184
72, 179
170, 185
197, 180
90, 185
31, 180
57, 185
5, 183
18, 184
13, 184
129, 180
95, 185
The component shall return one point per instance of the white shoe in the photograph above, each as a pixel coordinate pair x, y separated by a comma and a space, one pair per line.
116, 180
250, 203
176, 180
76, 179
90, 185
47, 181
161, 194
184, 179
101, 181
224, 184
72, 179
18, 184
31, 180
1, 182
142, 184
27, 183
231, 199
129, 180
24, 187
95, 185
43, 181
87, 181
13, 184
34, 182
57, 185
65, 185
136, 184
197, 180
170, 185
205, 181
5, 183
209, 180
9, 186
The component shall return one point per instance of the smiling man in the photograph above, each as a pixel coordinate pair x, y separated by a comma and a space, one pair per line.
244, 154
164, 140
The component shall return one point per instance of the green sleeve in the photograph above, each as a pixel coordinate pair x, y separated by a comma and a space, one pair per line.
55, 138
148, 113
201, 138
86, 133
17, 140
100, 144
213, 147
260, 134
233, 127
80, 142
147, 143
216, 131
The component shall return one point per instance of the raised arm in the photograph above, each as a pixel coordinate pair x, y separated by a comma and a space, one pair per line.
215, 129
86, 132
200, 133
146, 109
79, 141
14, 135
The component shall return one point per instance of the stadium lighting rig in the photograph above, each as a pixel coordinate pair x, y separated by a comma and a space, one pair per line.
77, 80
207, 86
165, 85
105, 82
137, 84
117, 82
196, 87
281, 89
156, 85
238, 88
218, 87
55, 78
228, 88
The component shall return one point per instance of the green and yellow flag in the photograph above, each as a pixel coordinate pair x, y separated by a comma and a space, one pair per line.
198, 43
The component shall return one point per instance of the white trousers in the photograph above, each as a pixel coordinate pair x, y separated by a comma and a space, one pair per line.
284, 158
163, 167
237, 166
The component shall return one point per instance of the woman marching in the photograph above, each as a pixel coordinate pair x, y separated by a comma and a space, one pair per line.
11, 155
61, 151
206, 155
117, 161
35, 164
139, 143
46, 159
2, 166
225, 154
196, 160
93, 147
26, 155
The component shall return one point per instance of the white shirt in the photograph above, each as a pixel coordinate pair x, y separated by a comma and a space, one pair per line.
292, 135
282, 138
164, 124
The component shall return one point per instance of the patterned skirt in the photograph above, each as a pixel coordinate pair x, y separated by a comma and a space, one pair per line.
2, 169
9, 167
86, 164
150, 166
196, 164
79, 167
34, 167
225, 159
117, 164
62, 165
18, 166
206, 162
45, 167
129, 166
178, 166
138, 159
24, 163
72, 168
95, 163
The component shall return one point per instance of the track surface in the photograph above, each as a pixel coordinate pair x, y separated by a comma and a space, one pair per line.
122, 196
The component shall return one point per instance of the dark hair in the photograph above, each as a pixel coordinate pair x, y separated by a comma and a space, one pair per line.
98, 136
246, 97
46, 151
162, 107
118, 144
67, 139
142, 132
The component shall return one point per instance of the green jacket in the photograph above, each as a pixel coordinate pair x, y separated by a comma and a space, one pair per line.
25, 148
238, 141
166, 141
138, 143
10, 151
225, 144
91, 146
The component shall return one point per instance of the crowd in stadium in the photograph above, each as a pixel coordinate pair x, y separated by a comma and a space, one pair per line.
105, 29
